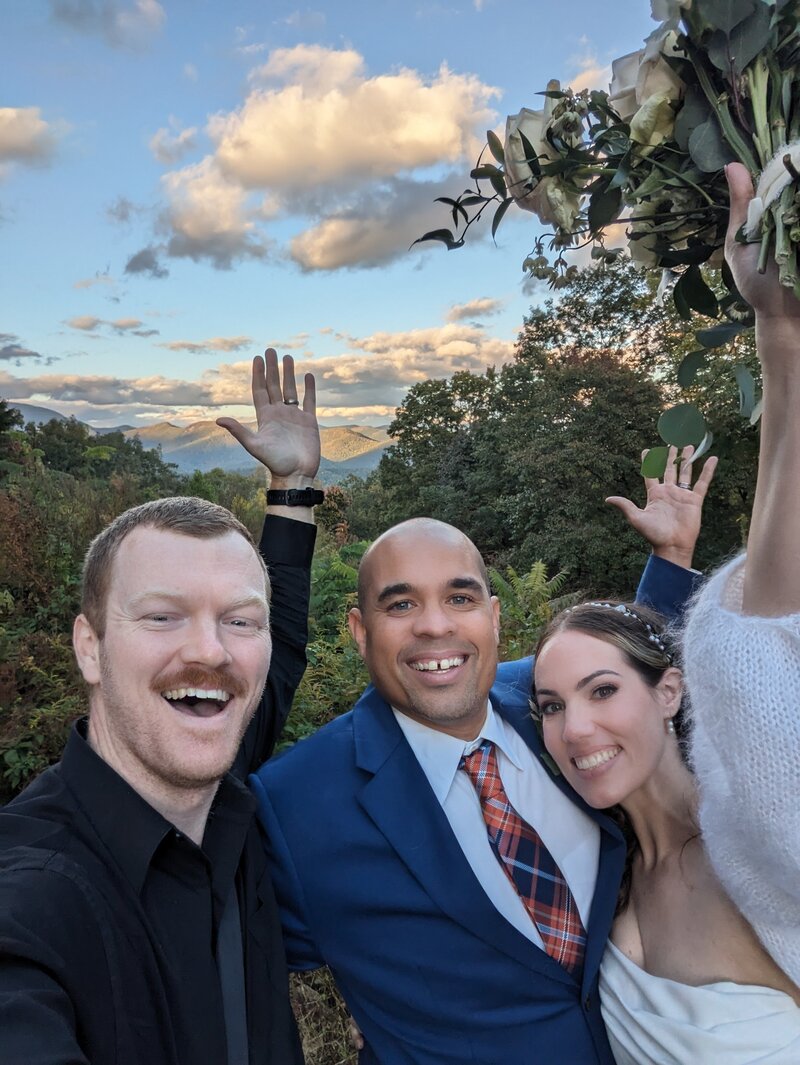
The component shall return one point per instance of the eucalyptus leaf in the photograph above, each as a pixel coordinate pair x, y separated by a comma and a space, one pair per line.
681, 425
703, 446
498, 183
696, 292
747, 390
690, 366
718, 335
708, 148
495, 146
486, 170
697, 253
604, 206
443, 235
530, 155
725, 14
695, 111
756, 412
498, 214
680, 301
655, 462
740, 46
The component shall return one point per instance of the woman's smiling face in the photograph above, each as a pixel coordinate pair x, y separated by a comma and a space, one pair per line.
602, 722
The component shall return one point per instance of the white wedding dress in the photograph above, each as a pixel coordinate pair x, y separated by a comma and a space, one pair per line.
654, 1021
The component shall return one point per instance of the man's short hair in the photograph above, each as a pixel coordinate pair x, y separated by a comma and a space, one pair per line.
186, 515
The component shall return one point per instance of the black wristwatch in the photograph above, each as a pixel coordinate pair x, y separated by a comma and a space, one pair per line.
294, 497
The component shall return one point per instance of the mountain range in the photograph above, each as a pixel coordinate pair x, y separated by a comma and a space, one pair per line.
204, 446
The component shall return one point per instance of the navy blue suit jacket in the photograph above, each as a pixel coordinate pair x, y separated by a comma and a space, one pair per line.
371, 881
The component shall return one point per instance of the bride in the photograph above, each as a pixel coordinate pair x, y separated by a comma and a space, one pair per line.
703, 963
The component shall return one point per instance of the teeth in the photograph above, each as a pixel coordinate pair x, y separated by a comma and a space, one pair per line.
591, 761
437, 664
217, 694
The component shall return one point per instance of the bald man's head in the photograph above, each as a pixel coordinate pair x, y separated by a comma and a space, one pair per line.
427, 625
417, 530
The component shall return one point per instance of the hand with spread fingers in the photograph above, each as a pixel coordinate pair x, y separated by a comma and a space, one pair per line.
671, 518
287, 439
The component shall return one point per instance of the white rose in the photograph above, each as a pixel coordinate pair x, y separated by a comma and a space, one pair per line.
547, 198
638, 76
622, 90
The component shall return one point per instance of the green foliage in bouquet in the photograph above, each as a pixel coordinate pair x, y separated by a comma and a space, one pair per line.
717, 81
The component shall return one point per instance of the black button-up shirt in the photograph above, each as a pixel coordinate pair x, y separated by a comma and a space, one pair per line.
112, 944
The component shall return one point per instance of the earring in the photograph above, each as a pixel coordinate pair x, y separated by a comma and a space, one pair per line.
669, 726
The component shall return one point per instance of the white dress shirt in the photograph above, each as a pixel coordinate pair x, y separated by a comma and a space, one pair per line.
569, 834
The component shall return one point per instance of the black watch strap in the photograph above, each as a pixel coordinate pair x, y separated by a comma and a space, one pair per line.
294, 497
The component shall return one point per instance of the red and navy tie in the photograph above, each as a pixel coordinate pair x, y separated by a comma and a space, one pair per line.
528, 864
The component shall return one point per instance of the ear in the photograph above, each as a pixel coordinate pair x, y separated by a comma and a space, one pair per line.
358, 631
86, 645
670, 689
496, 618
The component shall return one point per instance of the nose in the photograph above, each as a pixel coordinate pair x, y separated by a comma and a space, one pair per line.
203, 644
577, 724
433, 619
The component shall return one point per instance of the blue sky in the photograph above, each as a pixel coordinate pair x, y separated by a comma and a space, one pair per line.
185, 182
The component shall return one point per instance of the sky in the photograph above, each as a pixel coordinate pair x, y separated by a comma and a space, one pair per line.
186, 182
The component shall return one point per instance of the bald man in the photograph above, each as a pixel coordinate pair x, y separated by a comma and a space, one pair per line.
378, 845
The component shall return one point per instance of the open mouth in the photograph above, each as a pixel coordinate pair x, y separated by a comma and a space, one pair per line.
438, 665
197, 702
594, 761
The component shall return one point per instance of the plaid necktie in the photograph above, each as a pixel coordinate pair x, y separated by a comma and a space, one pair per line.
528, 864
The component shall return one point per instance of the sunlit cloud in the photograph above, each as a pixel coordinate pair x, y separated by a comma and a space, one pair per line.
25, 137
484, 307
212, 344
170, 144
374, 139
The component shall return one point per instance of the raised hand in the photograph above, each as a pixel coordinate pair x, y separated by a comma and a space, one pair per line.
287, 438
671, 518
763, 292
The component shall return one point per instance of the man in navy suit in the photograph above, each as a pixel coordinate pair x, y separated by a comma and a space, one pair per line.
378, 847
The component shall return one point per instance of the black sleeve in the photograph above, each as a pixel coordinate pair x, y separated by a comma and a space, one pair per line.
52, 961
287, 547
37, 1019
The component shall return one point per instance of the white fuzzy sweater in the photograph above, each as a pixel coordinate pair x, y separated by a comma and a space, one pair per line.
743, 676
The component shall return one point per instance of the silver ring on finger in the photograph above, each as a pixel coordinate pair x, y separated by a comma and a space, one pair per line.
683, 484
292, 402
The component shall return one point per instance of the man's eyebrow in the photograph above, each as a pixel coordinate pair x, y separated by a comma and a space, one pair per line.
456, 584
394, 589
581, 683
467, 584
176, 597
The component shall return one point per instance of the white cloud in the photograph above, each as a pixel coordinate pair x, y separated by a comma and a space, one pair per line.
85, 322
212, 344
190, 72
208, 217
25, 137
349, 127
321, 139
121, 25
371, 378
378, 229
170, 145
482, 307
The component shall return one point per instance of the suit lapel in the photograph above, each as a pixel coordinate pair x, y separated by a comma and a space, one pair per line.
401, 803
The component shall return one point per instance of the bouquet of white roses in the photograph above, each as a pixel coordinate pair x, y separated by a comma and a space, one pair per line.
716, 81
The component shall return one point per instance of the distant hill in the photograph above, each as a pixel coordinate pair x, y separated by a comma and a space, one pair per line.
204, 446
38, 415
42, 415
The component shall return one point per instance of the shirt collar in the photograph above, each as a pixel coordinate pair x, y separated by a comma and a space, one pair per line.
439, 753
129, 828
